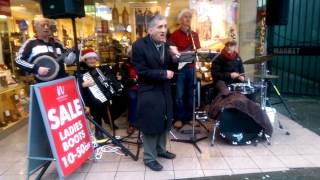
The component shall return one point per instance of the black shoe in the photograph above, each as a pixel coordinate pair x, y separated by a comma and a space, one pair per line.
167, 155
130, 130
154, 165
99, 135
115, 126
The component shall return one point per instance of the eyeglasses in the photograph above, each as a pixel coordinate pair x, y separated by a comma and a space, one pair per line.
44, 25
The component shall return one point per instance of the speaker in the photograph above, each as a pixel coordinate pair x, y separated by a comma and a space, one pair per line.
277, 12
62, 8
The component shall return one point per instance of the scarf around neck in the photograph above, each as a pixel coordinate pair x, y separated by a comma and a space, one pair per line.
229, 56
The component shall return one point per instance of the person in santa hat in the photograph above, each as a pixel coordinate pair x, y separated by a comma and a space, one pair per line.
98, 105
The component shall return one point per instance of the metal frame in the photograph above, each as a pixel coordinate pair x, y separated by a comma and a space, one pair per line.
298, 74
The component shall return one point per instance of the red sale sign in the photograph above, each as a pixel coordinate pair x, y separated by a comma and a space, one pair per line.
67, 124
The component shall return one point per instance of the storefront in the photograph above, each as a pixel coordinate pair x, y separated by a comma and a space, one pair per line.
110, 27
13, 94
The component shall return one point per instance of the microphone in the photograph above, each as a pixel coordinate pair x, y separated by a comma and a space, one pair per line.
189, 32
193, 44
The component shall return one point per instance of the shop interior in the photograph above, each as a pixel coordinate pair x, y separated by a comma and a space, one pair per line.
109, 27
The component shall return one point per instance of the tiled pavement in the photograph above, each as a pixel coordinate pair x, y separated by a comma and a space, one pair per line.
300, 149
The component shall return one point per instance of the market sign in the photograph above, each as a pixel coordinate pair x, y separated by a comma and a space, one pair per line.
5, 8
56, 109
296, 50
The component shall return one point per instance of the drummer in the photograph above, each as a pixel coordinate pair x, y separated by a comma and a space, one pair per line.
228, 65
42, 44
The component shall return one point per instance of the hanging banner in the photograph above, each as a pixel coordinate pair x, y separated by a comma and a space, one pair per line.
5, 8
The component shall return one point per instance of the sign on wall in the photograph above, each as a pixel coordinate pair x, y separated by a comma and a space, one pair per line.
216, 22
296, 50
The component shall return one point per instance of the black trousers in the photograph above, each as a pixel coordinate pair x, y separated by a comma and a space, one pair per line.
99, 111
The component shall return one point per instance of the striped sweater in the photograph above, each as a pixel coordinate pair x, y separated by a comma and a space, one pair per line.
33, 48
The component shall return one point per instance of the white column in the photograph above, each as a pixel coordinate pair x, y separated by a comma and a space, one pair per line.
1, 53
247, 31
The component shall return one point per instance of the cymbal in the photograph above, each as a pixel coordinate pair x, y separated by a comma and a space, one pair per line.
260, 59
268, 76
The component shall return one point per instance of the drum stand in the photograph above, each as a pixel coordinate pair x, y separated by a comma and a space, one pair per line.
282, 101
193, 139
264, 99
215, 126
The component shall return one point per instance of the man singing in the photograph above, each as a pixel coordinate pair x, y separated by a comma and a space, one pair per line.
181, 38
42, 44
151, 57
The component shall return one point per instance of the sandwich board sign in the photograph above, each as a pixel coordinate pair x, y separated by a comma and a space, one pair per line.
57, 127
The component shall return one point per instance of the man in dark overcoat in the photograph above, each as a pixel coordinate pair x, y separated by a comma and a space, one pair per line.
151, 56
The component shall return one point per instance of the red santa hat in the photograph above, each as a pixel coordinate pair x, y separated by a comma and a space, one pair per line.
88, 53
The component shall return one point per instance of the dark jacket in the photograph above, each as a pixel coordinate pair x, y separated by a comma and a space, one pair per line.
154, 109
222, 68
131, 77
96, 106
227, 99
87, 96
33, 48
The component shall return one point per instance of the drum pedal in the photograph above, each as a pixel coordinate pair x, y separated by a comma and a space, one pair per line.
201, 115
268, 139
102, 141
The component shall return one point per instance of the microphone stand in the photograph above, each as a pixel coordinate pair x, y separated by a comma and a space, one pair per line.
193, 139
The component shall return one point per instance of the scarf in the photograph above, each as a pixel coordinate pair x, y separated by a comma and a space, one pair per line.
229, 56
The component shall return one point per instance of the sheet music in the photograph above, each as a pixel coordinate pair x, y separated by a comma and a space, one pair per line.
185, 58
181, 65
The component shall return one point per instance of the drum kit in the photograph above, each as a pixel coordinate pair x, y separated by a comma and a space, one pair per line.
265, 81
250, 90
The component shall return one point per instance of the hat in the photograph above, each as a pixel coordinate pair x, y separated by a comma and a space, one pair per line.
88, 53
230, 43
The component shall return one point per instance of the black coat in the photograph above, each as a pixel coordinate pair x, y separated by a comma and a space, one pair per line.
223, 67
154, 108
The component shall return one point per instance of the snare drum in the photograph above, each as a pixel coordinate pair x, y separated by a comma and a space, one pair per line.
243, 88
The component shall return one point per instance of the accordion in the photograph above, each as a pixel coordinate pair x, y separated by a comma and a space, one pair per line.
106, 85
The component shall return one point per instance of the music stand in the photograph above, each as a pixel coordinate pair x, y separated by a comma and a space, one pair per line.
192, 57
